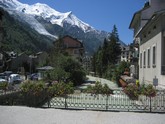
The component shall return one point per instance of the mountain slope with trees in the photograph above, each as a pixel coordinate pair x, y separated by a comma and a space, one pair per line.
19, 37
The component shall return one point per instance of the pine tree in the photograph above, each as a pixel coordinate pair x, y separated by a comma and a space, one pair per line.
114, 49
105, 53
59, 45
99, 63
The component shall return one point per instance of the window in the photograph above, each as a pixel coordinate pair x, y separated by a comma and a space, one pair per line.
76, 51
65, 45
154, 57
148, 62
140, 60
149, 32
144, 59
154, 27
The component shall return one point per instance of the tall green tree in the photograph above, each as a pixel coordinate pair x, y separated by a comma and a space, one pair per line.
114, 49
105, 53
108, 55
65, 67
99, 63
59, 45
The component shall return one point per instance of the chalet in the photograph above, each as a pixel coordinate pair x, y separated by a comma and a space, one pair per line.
149, 33
73, 47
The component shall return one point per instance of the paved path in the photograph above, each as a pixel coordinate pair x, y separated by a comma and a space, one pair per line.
103, 81
25, 115
111, 84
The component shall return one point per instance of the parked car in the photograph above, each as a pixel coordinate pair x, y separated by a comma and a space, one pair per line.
34, 76
2, 80
3, 76
14, 79
7, 73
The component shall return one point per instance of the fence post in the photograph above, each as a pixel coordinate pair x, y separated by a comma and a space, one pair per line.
107, 102
48, 101
65, 102
150, 105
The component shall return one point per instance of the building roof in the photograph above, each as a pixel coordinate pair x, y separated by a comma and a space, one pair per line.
154, 17
138, 13
45, 68
80, 41
1, 14
133, 18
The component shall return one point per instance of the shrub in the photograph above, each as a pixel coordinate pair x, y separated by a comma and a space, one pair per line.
33, 88
3, 86
33, 93
148, 90
99, 89
132, 91
106, 90
61, 89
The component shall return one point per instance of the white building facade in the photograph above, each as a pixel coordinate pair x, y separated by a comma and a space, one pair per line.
149, 29
152, 51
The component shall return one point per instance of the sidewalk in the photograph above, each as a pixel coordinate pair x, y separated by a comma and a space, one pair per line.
26, 115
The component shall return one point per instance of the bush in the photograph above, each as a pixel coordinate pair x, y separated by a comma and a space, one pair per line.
148, 90
33, 88
99, 89
61, 89
132, 91
77, 77
33, 93
3, 86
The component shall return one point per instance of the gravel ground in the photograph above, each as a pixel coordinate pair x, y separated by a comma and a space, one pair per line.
26, 115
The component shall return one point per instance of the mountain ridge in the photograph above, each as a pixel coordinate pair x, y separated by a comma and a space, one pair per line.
47, 21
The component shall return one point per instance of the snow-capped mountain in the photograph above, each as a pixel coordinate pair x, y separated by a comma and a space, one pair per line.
46, 13
47, 21
12, 6
54, 16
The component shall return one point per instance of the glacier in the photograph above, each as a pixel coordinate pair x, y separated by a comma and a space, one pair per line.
47, 13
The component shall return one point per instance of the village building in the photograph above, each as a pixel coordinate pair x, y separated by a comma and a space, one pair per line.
73, 47
126, 53
149, 32
87, 63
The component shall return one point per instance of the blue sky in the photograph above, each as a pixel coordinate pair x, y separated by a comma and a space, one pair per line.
101, 14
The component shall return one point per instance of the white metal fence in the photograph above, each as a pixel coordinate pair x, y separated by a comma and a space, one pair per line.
119, 101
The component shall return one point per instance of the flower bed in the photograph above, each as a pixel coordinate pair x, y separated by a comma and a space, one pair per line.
133, 91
